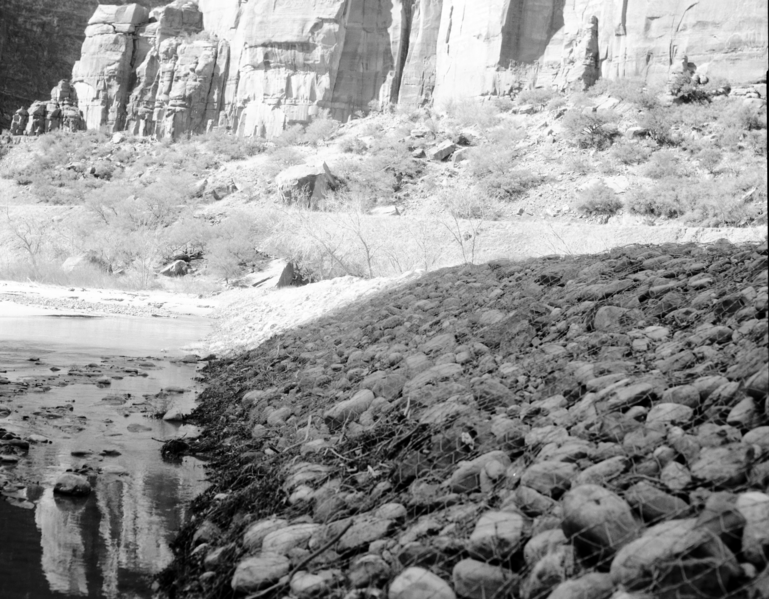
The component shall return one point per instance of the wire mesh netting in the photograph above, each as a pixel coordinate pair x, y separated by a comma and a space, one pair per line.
562, 427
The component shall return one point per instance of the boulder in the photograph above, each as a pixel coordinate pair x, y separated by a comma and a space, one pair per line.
177, 268
497, 535
255, 573
254, 535
589, 586
349, 410
282, 540
704, 566
598, 522
549, 478
442, 151
754, 508
306, 184
305, 585
467, 477
654, 504
477, 580
369, 570
418, 583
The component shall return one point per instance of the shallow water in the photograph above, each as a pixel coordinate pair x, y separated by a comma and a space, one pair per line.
109, 544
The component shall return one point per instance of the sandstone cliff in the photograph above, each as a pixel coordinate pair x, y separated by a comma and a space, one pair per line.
260, 66
40, 40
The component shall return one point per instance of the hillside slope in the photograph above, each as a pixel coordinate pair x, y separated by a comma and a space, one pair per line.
561, 427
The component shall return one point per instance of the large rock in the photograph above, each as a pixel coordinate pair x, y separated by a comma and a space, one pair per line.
283, 540
477, 580
177, 268
704, 566
254, 573
497, 535
754, 508
418, 583
305, 184
589, 586
598, 522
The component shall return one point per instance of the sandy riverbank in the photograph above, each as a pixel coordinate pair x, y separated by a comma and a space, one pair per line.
153, 303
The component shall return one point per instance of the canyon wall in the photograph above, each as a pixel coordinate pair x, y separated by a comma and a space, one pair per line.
259, 66
40, 40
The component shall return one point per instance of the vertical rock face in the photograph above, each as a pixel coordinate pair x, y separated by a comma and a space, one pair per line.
288, 59
145, 70
40, 40
259, 66
492, 47
418, 75
639, 38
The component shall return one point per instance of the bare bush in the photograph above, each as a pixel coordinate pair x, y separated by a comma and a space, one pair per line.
27, 235
465, 213
666, 164
590, 130
231, 147
472, 113
633, 90
232, 246
539, 97
599, 199
630, 153
735, 200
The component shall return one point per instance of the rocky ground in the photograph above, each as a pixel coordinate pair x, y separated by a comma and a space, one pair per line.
587, 426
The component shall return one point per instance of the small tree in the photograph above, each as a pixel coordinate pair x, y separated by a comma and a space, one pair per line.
28, 235
466, 211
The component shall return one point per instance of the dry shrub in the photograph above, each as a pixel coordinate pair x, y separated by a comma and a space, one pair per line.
666, 164
231, 147
493, 168
233, 245
319, 130
472, 113
382, 172
630, 153
599, 199
709, 159
734, 200
590, 130
633, 90
466, 210
579, 164
539, 97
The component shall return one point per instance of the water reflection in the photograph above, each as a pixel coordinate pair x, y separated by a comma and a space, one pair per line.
109, 544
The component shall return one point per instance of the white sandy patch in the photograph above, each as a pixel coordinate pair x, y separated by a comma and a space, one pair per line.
103, 301
251, 316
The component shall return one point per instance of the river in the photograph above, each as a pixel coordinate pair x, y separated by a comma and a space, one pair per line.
84, 390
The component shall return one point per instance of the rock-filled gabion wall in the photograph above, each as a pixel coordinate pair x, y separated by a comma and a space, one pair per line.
590, 426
